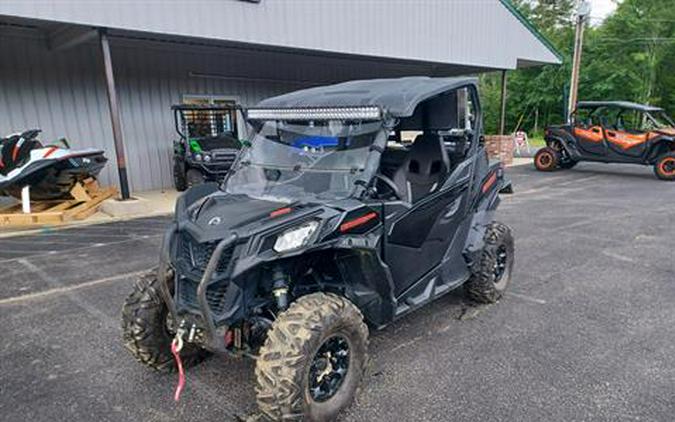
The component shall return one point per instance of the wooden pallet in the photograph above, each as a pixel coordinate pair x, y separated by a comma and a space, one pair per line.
87, 196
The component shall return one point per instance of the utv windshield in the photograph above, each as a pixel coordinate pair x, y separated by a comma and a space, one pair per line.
318, 160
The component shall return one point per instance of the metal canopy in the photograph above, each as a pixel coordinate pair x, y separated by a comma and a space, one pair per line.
399, 97
622, 104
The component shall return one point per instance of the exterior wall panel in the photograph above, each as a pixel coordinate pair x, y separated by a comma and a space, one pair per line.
164, 50
63, 93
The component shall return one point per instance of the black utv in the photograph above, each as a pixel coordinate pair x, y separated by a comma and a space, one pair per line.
354, 205
207, 143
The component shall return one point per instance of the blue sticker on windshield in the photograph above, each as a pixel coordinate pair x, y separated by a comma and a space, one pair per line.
316, 142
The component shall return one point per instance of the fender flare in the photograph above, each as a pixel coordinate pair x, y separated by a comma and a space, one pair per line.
660, 147
475, 240
570, 149
192, 195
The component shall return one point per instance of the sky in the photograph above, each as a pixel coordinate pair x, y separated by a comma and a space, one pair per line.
600, 9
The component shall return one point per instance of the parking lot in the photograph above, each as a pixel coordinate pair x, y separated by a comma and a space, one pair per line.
585, 332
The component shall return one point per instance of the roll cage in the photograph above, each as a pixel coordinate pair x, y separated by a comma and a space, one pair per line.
204, 120
617, 111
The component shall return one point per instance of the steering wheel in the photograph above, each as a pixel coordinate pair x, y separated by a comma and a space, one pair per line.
390, 184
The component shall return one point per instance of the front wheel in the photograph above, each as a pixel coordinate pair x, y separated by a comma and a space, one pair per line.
147, 330
664, 168
179, 176
546, 159
313, 359
194, 177
491, 273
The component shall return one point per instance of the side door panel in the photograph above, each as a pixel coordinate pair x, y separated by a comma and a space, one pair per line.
591, 140
417, 240
626, 145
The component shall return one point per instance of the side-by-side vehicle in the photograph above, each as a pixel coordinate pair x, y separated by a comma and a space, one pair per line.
353, 204
207, 143
612, 132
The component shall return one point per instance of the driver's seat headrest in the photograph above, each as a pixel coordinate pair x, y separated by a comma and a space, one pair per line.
428, 156
425, 168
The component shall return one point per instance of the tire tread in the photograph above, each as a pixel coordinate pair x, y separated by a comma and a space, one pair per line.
280, 367
481, 287
142, 333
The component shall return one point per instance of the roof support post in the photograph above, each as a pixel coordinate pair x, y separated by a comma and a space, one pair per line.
114, 114
502, 115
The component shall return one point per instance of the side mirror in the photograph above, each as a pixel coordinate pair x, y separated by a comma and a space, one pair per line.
481, 140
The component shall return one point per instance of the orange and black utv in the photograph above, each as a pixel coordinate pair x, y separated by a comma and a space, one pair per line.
612, 132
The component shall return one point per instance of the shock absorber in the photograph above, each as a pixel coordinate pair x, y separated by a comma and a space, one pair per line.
280, 289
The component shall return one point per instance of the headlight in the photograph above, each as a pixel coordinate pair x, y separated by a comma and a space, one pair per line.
296, 237
207, 158
198, 157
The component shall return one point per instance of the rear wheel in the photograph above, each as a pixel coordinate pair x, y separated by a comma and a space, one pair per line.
147, 330
546, 159
491, 274
664, 168
313, 359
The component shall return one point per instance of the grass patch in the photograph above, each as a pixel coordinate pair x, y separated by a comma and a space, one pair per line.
537, 142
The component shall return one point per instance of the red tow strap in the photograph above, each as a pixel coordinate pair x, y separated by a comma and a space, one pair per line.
181, 374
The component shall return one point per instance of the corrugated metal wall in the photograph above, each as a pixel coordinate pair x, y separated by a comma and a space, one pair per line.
63, 93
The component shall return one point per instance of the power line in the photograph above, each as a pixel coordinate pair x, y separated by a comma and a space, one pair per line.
636, 40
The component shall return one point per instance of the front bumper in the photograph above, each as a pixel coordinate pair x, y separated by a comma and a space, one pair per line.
219, 165
202, 315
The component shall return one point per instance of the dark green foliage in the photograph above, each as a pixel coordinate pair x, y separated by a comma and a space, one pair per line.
629, 56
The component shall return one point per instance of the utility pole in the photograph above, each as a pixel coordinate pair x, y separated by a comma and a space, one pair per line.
583, 10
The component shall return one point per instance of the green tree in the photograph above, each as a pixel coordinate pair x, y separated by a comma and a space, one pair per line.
535, 94
630, 56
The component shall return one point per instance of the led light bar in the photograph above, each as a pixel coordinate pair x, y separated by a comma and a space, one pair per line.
319, 113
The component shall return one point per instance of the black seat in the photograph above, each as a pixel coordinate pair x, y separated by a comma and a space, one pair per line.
7, 146
15, 150
424, 170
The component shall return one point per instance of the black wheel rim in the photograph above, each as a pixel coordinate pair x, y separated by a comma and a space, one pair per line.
329, 368
500, 263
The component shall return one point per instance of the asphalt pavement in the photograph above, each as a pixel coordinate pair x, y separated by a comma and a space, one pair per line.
585, 333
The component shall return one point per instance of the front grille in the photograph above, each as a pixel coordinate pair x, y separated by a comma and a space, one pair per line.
192, 257
197, 255
224, 156
215, 294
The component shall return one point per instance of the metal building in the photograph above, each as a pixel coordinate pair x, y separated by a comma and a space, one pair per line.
52, 73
